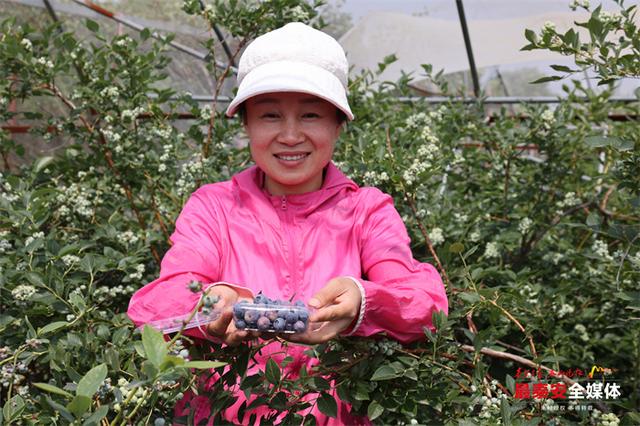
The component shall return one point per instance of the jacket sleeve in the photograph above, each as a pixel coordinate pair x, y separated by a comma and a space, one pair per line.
194, 255
400, 293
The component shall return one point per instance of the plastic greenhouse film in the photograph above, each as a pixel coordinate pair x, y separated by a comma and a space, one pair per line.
173, 324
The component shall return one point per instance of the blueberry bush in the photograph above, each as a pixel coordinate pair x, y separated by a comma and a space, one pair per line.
533, 221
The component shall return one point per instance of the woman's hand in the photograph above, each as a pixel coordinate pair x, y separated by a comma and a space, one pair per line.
224, 328
337, 304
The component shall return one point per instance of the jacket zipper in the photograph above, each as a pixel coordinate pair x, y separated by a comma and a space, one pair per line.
292, 249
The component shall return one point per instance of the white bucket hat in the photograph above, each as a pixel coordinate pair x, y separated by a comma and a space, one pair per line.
294, 58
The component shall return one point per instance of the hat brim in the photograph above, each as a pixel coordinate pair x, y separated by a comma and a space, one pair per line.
288, 76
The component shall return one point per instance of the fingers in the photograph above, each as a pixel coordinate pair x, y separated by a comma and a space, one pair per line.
327, 294
219, 327
334, 312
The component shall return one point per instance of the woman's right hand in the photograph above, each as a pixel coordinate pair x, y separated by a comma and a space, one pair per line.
224, 328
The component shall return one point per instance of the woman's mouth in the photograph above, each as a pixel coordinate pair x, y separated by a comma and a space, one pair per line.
289, 158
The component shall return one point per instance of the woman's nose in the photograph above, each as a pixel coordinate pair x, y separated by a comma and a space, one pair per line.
291, 132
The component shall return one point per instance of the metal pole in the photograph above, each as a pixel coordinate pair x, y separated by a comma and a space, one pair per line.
467, 43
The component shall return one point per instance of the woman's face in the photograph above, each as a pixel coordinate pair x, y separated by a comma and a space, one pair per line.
292, 136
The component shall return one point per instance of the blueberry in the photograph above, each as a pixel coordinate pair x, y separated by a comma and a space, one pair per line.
241, 325
299, 327
261, 299
299, 303
238, 311
291, 317
251, 316
288, 327
303, 315
272, 315
279, 324
264, 324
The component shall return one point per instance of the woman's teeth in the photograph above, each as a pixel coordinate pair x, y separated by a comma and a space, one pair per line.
291, 157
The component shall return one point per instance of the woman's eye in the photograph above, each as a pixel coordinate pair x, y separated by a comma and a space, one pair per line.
310, 115
269, 115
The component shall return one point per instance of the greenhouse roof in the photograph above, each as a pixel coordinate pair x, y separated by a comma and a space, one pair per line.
417, 32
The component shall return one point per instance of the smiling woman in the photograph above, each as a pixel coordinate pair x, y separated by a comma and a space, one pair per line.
292, 137
293, 225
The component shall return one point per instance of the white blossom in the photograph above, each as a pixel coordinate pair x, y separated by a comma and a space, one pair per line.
23, 292
564, 310
436, 236
205, 113
548, 27
44, 62
491, 250
70, 259
579, 3
582, 331
111, 92
26, 43
33, 237
474, 237
299, 14
524, 225
129, 237
548, 118
601, 249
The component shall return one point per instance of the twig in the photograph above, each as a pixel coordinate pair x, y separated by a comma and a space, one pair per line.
517, 323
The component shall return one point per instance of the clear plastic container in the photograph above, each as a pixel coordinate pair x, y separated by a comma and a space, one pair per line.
283, 317
174, 324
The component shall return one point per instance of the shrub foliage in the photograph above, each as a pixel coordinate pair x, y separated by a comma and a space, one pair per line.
532, 220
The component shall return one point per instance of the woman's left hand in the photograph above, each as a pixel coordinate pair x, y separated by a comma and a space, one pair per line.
337, 306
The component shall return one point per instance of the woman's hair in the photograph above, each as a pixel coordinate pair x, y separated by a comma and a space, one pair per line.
242, 112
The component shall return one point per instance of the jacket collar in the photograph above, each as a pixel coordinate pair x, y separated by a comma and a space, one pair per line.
248, 185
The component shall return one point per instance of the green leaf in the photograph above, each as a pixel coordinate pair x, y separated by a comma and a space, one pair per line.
374, 410
60, 409
327, 405
594, 219
562, 68
79, 405
52, 327
469, 297
203, 365
42, 162
531, 36
53, 389
91, 381
547, 79
92, 25
272, 372
154, 345
598, 141
94, 419
384, 372
13, 408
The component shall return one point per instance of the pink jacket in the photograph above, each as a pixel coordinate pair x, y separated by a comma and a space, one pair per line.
284, 246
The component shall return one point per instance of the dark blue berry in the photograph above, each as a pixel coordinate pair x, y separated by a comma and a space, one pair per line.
261, 299
299, 327
303, 315
241, 325
251, 316
264, 324
291, 317
299, 303
272, 315
238, 311
279, 324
